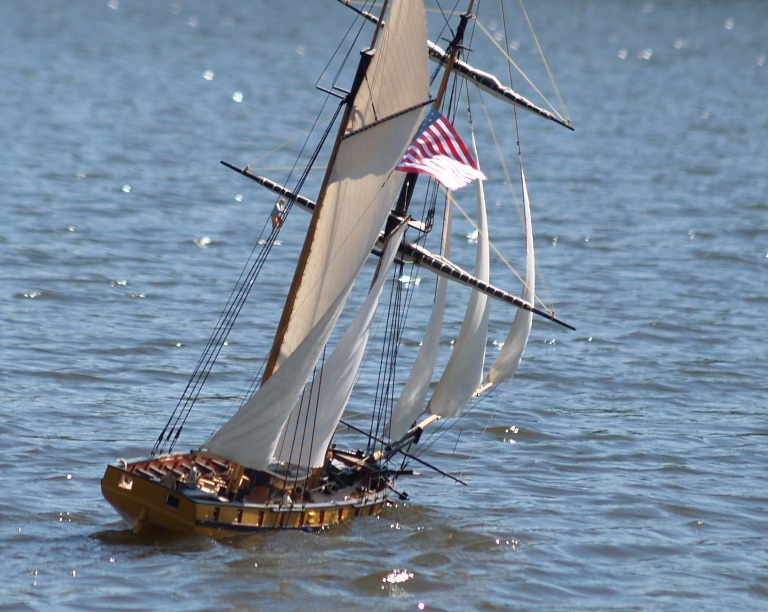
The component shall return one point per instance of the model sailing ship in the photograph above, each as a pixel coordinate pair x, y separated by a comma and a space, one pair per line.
274, 464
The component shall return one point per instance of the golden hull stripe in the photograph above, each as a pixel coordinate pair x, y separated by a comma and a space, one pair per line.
147, 504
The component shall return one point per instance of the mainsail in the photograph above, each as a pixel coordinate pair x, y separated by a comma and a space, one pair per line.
360, 186
355, 199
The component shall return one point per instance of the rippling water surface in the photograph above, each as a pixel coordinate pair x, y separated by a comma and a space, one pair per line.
624, 467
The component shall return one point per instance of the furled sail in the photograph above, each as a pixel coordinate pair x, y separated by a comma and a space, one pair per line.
326, 397
483, 80
413, 398
509, 357
417, 254
355, 199
464, 370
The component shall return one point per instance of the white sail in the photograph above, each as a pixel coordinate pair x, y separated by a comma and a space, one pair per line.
509, 357
250, 437
398, 77
413, 398
361, 186
325, 399
353, 205
464, 370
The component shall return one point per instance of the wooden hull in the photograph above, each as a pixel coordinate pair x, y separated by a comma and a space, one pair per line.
146, 494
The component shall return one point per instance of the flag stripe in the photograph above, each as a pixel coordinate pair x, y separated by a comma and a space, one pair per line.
438, 151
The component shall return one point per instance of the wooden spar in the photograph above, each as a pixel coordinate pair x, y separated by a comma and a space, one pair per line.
362, 67
418, 255
492, 85
432, 467
453, 53
390, 451
445, 268
366, 14
305, 203
481, 79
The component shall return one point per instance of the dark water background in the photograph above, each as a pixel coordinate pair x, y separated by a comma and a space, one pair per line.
624, 468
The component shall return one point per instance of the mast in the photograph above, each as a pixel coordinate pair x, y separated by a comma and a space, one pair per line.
365, 60
453, 53
384, 110
366, 57
454, 48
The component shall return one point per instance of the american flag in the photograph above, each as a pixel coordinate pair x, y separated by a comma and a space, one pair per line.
437, 150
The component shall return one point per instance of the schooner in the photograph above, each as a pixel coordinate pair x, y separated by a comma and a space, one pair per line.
275, 463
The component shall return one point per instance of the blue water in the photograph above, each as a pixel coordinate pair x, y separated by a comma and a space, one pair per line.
623, 468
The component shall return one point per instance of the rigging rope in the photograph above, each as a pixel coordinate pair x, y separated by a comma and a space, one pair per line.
562, 116
543, 58
172, 430
444, 427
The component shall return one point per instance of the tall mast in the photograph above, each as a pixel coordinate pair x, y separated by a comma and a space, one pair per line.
454, 48
453, 53
366, 57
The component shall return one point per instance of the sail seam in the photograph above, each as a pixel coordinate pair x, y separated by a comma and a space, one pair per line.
389, 118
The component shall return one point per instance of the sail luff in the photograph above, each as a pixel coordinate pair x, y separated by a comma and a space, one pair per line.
326, 397
506, 363
464, 369
413, 397
309, 242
